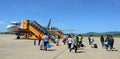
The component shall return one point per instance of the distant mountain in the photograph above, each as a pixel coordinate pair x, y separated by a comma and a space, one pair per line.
110, 32
92, 33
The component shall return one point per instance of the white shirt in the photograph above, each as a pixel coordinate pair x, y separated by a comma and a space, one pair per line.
91, 39
69, 40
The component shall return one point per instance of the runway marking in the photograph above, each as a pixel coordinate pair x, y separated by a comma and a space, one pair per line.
59, 54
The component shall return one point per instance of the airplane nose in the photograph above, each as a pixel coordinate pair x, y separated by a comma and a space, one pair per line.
11, 28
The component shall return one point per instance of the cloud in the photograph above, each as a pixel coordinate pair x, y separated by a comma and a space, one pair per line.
2, 22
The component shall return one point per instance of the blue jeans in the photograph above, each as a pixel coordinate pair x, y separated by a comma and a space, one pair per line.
102, 42
34, 42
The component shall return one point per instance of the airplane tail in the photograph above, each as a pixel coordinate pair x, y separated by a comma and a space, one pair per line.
49, 23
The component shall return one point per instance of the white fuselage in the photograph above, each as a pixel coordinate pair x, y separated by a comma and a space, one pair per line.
14, 26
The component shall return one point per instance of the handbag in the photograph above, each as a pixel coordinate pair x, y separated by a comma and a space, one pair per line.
78, 46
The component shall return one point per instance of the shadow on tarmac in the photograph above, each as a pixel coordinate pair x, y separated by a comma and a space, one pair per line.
51, 49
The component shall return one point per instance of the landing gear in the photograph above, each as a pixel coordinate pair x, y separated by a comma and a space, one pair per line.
18, 37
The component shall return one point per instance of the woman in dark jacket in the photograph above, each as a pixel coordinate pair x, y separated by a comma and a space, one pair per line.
102, 40
111, 42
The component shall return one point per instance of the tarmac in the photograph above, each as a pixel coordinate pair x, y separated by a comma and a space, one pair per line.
11, 48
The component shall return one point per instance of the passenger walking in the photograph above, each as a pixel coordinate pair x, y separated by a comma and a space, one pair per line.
107, 42
69, 42
76, 43
64, 39
59, 37
52, 38
41, 44
80, 39
72, 43
111, 42
39, 39
56, 41
35, 40
91, 39
102, 41
46, 41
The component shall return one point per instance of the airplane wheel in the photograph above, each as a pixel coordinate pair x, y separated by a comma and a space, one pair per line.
18, 37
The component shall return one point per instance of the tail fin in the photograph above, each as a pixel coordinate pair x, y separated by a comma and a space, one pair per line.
48, 26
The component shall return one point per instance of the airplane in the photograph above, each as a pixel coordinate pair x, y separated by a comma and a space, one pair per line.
16, 27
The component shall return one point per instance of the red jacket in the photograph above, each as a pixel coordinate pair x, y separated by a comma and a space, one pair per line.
39, 38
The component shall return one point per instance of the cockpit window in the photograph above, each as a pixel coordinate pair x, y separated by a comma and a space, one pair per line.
15, 23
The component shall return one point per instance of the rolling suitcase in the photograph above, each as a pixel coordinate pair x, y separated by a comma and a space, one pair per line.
95, 46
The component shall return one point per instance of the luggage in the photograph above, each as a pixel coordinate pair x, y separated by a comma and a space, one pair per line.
41, 44
48, 46
95, 46
106, 43
82, 45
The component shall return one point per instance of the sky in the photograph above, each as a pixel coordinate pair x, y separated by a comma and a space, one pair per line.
80, 16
